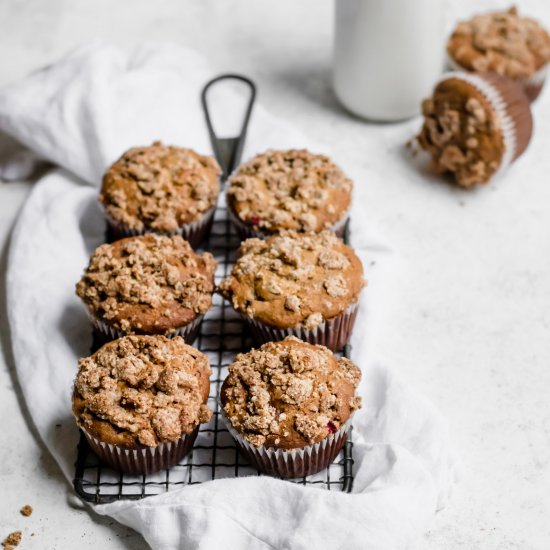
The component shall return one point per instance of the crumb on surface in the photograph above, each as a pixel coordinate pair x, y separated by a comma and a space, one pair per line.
26, 510
12, 540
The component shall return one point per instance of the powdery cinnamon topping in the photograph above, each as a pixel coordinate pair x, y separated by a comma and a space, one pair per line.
502, 42
292, 189
462, 132
148, 284
142, 390
294, 279
160, 188
289, 394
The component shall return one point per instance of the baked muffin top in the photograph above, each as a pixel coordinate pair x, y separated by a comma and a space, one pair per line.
142, 390
502, 42
289, 394
149, 284
292, 189
160, 188
294, 279
462, 132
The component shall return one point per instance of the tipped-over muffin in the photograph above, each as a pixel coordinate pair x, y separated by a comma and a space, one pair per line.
140, 399
161, 189
288, 405
301, 284
148, 284
475, 126
281, 190
505, 43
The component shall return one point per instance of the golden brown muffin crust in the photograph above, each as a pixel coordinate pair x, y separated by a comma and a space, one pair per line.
142, 390
160, 188
292, 189
502, 42
289, 394
462, 132
294, 279
148, 284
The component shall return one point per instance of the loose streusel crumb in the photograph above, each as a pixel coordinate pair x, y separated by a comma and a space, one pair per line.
148, 284
462, 132
26, 510
12, 540
502, 42
160, 188
294, 279
289, 394
292, 189
142, 390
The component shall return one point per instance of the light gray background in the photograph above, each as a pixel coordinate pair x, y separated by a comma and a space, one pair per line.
496, 399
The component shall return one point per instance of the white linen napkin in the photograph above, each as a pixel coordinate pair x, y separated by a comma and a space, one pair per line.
82, 113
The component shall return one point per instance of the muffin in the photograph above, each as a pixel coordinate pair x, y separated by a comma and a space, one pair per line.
140, 400
161, 189
475, 126
301, 284
288, 405
505, 43
148, 284
282, 190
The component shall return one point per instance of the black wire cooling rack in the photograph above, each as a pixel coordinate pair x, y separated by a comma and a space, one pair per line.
214, 455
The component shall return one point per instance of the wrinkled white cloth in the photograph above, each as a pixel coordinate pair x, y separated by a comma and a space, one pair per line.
81, 114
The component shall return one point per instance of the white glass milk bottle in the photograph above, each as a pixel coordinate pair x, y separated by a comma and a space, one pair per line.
388, 54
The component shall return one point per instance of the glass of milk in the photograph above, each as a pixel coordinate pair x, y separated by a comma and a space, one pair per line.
388, 54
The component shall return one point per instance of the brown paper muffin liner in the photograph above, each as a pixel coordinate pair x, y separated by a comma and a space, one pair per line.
144, 460
195, 232
291, 463
333, 333
107, 333
244, 231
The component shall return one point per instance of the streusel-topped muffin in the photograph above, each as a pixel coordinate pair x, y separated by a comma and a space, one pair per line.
294, 189
290, 395
148, 284
161, 189
306, 284
140, 393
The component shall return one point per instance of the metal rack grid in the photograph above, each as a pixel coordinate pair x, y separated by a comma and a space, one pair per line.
214, 455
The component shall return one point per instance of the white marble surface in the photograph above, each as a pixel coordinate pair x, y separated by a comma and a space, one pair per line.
496, 398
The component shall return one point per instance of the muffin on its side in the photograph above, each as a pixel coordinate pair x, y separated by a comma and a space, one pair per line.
505, 43
288, 405
301, 284
281, 190
475, 126
148, 285
139, 401
161, 189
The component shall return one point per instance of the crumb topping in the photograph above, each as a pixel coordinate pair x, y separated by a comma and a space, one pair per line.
289, 394
142, 390
12, 540
26, 510
294, 279
160, 188
148, 283
502, 42
462, 133
292, 189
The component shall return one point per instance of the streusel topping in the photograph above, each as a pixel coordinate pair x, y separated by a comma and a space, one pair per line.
292, 189
142, 390
160, 188
148, 283
294, 279
462, 132
289, 394
502, 42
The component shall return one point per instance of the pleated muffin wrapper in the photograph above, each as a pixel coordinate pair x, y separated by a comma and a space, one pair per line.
142, 460
289, 464
108, 333
194, 232
512, 107
244, 231
333, 333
